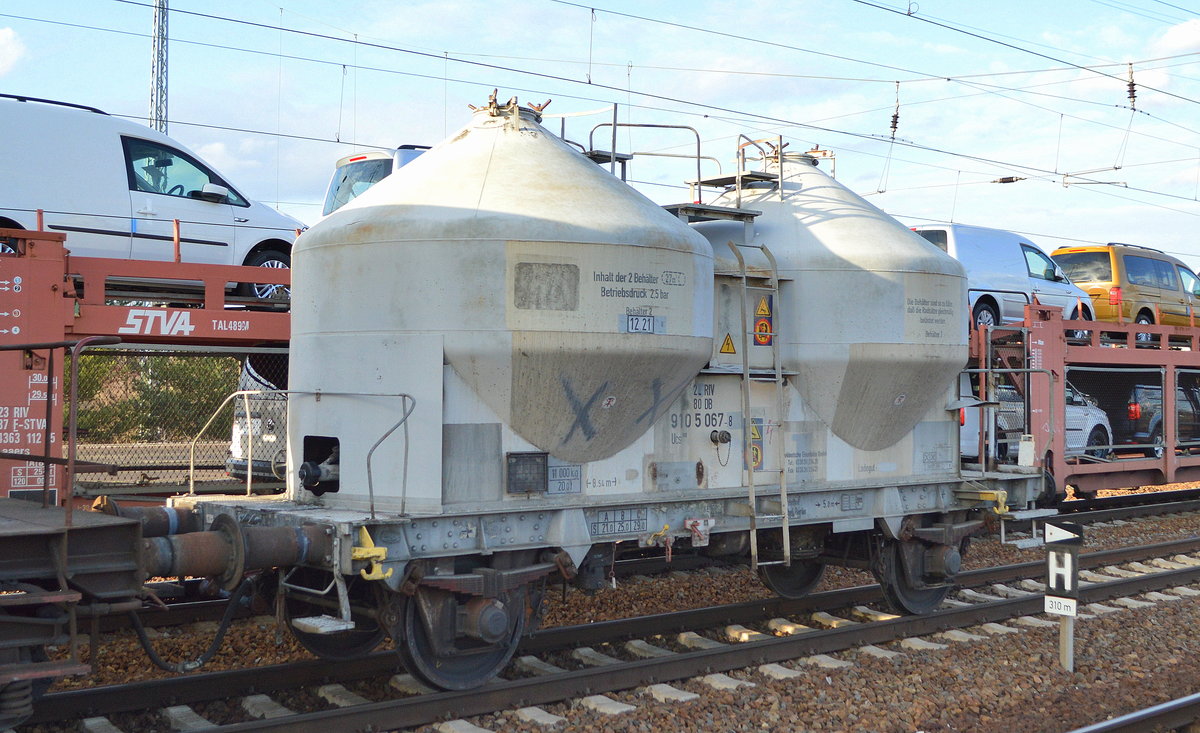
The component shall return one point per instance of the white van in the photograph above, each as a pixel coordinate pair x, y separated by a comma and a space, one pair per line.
1005, 271
114, 188
356, 173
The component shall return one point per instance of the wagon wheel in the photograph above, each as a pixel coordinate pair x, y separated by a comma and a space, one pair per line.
794, 581
901, 594
435, 648
467, 663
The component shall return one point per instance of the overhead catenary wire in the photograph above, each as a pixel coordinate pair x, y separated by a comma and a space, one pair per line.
1141, 12
1015, 47
648, 95
445, 56
753, 118
1171, 5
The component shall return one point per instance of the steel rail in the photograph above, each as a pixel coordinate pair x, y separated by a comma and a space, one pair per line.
600, 632
1170, 715
424, 709
1102, 513
1128, 500
197, 688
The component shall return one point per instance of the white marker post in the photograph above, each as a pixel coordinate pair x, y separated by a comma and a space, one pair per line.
1063, 540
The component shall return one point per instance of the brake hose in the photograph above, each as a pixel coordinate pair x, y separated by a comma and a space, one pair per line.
182, 667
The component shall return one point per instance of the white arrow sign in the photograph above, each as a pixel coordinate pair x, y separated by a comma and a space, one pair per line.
1054, 533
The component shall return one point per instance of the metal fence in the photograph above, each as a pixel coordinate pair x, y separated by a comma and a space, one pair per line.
141, 406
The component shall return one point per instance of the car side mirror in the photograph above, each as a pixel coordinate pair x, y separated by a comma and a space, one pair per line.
214, 193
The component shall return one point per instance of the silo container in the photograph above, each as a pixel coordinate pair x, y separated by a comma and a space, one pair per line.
873, 316
572, 305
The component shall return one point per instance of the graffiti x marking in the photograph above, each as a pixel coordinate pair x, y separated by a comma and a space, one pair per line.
659, 397
581, 410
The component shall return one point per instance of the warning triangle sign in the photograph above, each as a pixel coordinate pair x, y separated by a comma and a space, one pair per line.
764, 307
727, 345
754, 432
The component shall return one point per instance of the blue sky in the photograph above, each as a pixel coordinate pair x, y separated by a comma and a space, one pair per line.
1036, 91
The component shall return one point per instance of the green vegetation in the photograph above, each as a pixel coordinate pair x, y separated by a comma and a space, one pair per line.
138, 398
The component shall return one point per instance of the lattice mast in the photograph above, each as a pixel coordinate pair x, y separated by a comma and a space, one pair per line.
158, 68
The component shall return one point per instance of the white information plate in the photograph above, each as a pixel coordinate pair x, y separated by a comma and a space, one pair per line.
1060, 606
639, 324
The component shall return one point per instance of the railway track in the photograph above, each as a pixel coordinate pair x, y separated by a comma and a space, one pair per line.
670, 645
1148, 501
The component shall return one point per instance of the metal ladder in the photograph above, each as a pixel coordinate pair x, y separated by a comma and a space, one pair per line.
770, 291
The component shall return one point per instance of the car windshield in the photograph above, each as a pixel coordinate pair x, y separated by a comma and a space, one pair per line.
1087, 267
352, 179
936, 237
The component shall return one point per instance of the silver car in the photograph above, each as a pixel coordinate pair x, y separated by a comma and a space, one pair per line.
1087, 427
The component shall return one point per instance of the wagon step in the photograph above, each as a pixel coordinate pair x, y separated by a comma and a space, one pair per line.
323, 624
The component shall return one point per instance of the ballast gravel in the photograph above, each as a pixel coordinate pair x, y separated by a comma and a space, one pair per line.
1002, 684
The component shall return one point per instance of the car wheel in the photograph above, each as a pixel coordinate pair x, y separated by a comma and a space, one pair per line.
269, 291
985, 315
1156, 441
1144, 319
1098, 437
1082, 335
8, 246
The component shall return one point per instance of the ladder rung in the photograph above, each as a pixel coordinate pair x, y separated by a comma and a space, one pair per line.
768, 516
770, 562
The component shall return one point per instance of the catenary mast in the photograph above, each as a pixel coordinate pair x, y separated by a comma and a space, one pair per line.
158, 68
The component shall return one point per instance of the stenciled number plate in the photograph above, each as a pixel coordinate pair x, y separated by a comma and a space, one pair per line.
619, 521
640, 324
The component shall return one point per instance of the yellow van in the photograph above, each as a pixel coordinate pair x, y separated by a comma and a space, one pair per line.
1128, 282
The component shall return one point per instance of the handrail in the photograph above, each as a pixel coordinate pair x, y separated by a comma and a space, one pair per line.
409, 402
616, 124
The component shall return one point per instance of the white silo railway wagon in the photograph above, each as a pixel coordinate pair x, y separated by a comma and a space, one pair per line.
507, 364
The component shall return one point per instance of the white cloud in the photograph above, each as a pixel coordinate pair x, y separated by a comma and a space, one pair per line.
1182, 38
246, 155
12, 50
